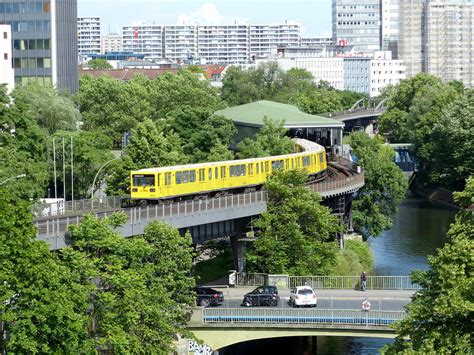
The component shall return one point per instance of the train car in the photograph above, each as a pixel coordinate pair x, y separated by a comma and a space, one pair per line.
194, 180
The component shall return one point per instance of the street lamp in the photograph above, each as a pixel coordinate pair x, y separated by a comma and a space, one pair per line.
96, 175
12, 178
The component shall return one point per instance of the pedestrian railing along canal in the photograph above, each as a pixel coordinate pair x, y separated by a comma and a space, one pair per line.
268, 316
328, 282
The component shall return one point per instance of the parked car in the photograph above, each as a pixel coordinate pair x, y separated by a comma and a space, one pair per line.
303, 296
262, 296
206, 296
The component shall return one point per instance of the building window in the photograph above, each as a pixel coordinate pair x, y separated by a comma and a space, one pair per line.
5, 35
5, 56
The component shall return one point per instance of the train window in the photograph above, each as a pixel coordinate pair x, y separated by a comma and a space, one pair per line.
143, 180
261, 167
238, 170
209, 173
258, 165
287, 164
292, 163
223, 172
250, 169
158, 179
306, 161
321, 158
183, 177
217, 172
277, 164
168, 179
201, 174
266, 166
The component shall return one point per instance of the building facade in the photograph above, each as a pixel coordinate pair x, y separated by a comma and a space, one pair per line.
316, 41
180, 42
44, 34
144, 39
88, 35
7, 76
390, 13
264, 37
357, 23
113, 42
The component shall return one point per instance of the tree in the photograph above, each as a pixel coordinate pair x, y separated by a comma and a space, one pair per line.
51, 111
296, 235
240, 87
43, 306
98, 63
270, 140
440, 317
148, 147
385, 186
139, 298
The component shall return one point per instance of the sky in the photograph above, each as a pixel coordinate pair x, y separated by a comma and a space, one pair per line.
314, 15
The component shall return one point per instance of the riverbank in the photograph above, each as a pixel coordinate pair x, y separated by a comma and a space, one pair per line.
437, 195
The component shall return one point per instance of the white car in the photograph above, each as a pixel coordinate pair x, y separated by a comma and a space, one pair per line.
303, 296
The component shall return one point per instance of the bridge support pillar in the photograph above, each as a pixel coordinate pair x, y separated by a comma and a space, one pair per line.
238, 251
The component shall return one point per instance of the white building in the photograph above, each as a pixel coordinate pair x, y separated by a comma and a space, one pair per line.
224, 44
265, 37
390, 13
370, 75
144, 39
410, 47
112, 42
316, 41
7, 74
180, 42
88, 35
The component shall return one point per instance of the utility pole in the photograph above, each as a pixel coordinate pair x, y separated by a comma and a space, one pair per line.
54, 167
64, 172
72, 170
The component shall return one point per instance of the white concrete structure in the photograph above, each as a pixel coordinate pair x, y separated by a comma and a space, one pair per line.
112, 42
180, 42
7, 74
370, 75
88, 35
224, 44
144, 39
357, 23
267, 36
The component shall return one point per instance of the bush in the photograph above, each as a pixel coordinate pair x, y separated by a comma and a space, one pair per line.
355, 258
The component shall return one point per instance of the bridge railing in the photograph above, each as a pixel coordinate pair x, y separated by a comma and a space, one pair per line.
62, 208
334, 317
328, 282
325, 186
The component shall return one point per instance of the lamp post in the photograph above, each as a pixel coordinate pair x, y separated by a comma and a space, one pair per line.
95, 178
12, 178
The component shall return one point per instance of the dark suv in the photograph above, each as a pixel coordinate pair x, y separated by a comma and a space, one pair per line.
206, 296
262, 296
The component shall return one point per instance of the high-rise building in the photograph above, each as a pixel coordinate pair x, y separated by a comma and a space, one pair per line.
224, 44
113, 42
7, 76
44, 34
88, 35
357, 23
390, 26
265, 37
144, 39
436, 36
180, 42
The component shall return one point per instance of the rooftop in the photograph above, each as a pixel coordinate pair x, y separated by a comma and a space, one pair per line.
252, 114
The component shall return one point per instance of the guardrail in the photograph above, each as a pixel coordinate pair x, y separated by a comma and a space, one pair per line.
328, 282
63, 208
344, 185
236, 316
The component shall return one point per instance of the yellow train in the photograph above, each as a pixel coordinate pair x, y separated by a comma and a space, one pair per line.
214, 178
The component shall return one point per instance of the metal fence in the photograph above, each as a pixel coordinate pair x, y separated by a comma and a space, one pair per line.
62, 208
236, 316
330, 282
328, 188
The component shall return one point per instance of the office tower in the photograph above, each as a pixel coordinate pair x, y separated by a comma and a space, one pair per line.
224, 44
88, 35
7, 76
112, 42
144, 39
180, 42
266, 36
390, 26
44, 35
357, 23
410, 46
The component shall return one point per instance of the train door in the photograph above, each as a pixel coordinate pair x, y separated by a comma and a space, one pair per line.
223, 177
168, 185
202, 179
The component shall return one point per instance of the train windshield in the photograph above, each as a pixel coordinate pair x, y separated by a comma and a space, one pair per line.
143, 180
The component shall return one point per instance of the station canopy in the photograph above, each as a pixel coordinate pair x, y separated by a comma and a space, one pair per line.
252, 115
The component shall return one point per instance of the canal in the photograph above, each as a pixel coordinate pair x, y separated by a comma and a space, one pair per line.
419, 229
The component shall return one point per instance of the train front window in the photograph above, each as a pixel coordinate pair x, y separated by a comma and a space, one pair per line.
143, 180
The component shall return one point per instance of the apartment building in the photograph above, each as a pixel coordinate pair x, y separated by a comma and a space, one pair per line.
7, 76
144, 39
357, 23
265, 37
88, 35
113, 42
411, 33
44, 34
390, 13
180, 42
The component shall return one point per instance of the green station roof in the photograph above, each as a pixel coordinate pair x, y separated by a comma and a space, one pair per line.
252, 114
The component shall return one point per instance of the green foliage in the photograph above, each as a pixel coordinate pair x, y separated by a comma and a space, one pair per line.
43, 305
51, 111
98, 63
353, 259
270, 140
269, 82
385, 186
139, 298
296, 234
440, 316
